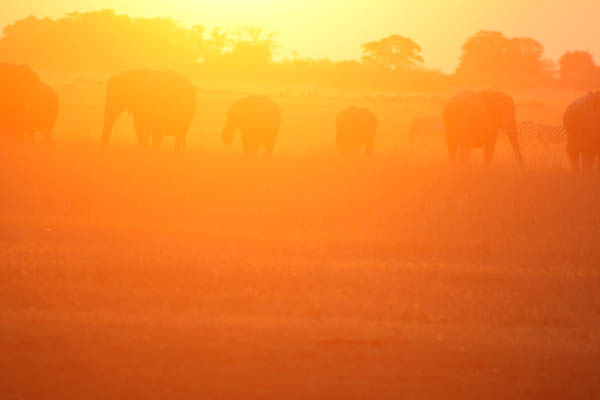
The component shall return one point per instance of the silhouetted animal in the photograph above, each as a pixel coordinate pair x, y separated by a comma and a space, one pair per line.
582, 122
546, 134
473, 119
258, 119
426, 126
162, 103
355, 127
27, 105
44, 113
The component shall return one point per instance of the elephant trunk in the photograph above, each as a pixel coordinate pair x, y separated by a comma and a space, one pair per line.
109, 121
511, 131
228, 132
573, 152
112, 109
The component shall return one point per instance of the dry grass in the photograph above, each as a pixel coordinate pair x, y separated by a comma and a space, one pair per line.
138, 274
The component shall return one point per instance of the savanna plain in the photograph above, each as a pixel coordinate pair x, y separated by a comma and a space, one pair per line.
150, 274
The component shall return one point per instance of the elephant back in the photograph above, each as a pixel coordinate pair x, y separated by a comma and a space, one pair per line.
257, 111
474, 118
355, 126
356, 118
19, 87
582, 120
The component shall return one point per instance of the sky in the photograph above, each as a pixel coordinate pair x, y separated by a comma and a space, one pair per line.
336, 28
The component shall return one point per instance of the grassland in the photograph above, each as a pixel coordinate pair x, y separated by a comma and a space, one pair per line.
142, 274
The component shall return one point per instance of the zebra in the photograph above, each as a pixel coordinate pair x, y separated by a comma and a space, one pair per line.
426, 126
545, 134
548, 134
527, 130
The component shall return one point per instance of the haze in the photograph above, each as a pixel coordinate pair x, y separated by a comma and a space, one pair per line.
228, 199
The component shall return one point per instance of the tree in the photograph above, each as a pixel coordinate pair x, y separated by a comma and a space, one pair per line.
578, 70
392, 53
249, 46
490, 58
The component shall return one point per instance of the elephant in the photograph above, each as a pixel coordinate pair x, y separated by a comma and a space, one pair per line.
258, 119
355, 127
27, 105
162, 103
582, 123
474, 119
44, 113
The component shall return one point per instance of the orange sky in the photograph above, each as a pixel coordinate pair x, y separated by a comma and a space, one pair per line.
336, 28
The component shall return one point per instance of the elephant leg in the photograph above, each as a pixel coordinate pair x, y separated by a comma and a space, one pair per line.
250, 150
465, 152
142, 131
369, 148
179, 142
514, 143
269, 151
341, 148
574, 154
574, 160
157, 140
587, 161
47, 136
249, 143
488, 152
143, 139
452, 149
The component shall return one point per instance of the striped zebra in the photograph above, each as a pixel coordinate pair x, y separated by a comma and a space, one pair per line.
545, 134
426, 126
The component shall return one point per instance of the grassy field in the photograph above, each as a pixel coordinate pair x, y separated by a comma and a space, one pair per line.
154, 275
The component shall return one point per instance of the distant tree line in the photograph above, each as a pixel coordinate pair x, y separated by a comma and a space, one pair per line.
106, 41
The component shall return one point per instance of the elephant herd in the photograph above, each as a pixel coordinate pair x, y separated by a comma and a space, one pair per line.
163, 103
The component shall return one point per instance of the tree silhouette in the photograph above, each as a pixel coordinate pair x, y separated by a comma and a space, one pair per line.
491, 58
392, 53
249, 46
106, 41
578, 70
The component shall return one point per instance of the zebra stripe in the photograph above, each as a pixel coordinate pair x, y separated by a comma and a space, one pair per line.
546, 134
527, 130
426, 126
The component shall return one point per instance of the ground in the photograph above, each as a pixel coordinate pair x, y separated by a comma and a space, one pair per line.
153, 275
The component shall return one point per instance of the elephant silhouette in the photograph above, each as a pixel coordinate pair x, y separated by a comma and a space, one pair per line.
162, 103
474, 119
582, 123
27, 105
44, 113
258, 119
356, 127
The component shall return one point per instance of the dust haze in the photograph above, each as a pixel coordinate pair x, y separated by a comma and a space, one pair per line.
266, 251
